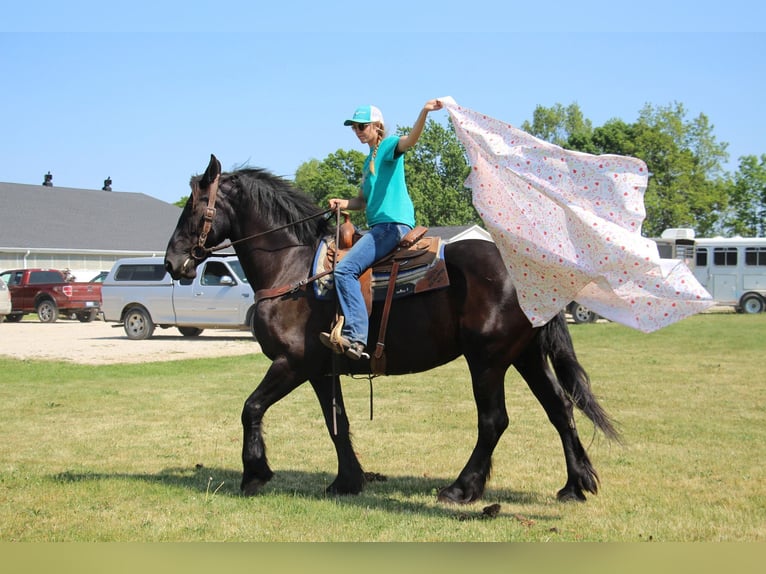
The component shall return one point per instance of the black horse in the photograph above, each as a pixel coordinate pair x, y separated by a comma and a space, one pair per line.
275, 236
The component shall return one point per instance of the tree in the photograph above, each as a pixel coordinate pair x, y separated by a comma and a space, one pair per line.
565, 127
687, 185
338, 175
436, 171
747, 216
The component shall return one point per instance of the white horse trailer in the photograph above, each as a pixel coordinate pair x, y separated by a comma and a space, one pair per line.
732, 269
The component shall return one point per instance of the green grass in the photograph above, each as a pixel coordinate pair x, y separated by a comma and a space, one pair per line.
151, 452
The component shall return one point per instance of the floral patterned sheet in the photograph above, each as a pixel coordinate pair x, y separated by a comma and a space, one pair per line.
568, 225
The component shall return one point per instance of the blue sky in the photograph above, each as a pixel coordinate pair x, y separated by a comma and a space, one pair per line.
144, 92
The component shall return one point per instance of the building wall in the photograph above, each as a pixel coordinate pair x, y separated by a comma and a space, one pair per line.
84, 266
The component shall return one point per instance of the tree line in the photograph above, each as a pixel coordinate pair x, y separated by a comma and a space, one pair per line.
688, 185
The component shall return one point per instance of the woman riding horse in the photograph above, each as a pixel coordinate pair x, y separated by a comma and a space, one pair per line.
275, 231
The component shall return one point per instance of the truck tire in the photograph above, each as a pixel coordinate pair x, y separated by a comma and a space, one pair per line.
14, 317
47, 311
580, 313
86, 316
138, 323
752, 304
190, 331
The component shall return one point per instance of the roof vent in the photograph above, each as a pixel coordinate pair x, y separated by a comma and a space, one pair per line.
48, 182
678, 233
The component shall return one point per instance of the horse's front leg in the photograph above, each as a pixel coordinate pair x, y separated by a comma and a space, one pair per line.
279, 381
350, 478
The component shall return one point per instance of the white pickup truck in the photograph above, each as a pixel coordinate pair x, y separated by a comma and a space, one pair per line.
139, 294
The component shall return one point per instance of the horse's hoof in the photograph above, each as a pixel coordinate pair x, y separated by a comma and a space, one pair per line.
252, 487
570, 494
339, 489
455, 495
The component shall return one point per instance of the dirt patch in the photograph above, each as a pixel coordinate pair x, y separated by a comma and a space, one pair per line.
100, 343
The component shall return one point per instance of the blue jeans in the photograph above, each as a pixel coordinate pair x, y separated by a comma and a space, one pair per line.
378, 242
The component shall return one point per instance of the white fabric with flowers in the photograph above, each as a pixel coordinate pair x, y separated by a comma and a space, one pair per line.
568, 225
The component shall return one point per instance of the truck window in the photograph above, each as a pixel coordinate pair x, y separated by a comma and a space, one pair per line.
725, 256
214, 271
237, 266
755, 256
40, 277
140, 272
11, 278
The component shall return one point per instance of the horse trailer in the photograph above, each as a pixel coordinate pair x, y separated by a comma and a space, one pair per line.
732, 269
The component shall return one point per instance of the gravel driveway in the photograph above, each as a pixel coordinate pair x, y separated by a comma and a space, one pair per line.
100, 343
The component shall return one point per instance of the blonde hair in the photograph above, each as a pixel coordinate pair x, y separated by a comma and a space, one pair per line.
380, 129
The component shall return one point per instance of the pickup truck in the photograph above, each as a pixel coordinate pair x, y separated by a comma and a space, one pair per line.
49, 293
140, 295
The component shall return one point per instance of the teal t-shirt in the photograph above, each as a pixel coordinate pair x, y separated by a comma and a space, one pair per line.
385, 191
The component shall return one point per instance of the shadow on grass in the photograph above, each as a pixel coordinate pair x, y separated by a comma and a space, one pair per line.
398, 494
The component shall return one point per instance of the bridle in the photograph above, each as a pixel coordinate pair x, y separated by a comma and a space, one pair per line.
199, 252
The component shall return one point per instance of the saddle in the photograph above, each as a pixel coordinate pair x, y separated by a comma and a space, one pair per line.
414, 266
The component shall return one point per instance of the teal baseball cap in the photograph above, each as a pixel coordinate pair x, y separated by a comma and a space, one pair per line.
365, 115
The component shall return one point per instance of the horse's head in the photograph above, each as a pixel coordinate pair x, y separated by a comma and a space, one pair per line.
200, 226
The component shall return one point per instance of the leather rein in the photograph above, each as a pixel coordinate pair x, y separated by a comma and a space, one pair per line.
200, 252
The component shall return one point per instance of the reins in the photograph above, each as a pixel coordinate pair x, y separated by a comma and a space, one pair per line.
200, 252
210, 250
335, 369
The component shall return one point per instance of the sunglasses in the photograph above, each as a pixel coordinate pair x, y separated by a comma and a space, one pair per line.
359, 127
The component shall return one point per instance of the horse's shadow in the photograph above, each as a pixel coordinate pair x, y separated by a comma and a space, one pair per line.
399, 494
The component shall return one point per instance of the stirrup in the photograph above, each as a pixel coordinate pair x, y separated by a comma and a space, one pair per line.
334, 340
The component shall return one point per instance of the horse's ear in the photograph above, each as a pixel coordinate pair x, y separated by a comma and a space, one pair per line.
213, 171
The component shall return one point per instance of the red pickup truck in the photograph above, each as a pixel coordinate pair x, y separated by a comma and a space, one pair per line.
48, 293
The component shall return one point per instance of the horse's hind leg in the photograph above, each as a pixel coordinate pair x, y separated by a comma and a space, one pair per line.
489, 394
350, 478
581, 475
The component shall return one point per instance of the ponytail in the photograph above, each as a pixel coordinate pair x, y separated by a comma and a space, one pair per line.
381, 131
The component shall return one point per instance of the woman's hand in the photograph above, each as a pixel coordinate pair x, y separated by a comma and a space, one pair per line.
409, 140
338, 203
433, 105
354, 204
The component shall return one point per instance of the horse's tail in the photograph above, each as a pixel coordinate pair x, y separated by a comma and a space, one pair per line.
556, 343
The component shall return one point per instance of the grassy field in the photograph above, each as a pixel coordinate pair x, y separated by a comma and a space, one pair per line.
151, 452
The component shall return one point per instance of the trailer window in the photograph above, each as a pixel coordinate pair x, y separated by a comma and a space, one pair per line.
755, 256
725, 256
701, 257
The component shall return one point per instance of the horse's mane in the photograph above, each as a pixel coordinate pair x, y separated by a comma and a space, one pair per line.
277, 201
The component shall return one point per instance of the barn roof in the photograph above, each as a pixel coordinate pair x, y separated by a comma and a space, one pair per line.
67, 218
36, 216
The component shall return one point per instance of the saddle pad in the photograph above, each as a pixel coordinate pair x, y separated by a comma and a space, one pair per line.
406, 280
